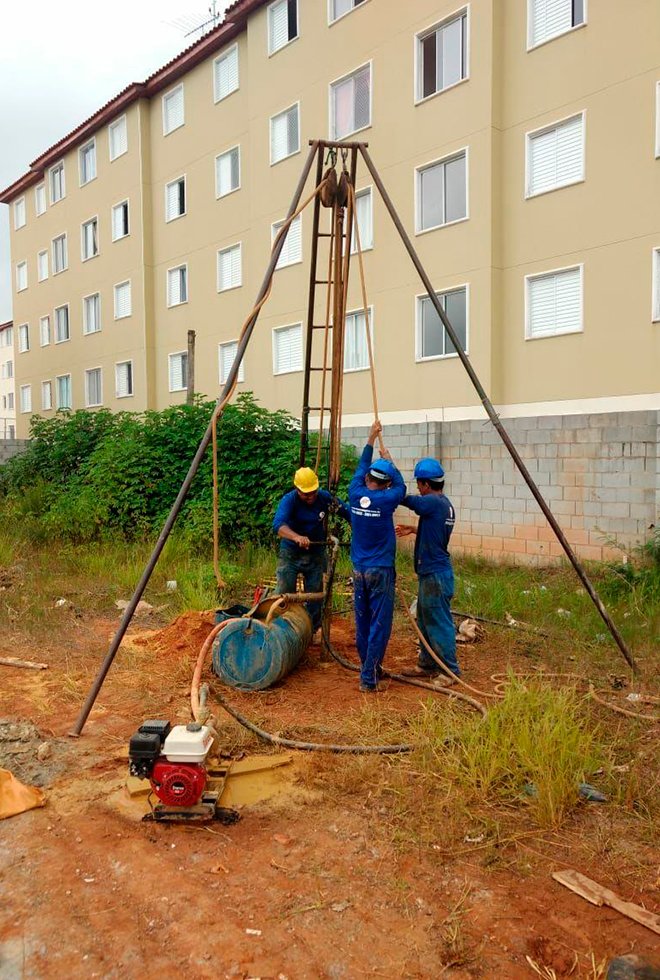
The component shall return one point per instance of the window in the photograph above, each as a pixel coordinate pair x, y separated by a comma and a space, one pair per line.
57, 183
9, 371
124, 379
432, 339
87, 162
442, 58
44, 331
550, 18
177, 285
657, 119
226, 357
554, 303
118, 138
40, 199
60, 254
356, 351
442, 192
7, 337
340, 7
175, 199
46, 396
350, 103
92, 313
122, 293
656, 284
42, 266
173, 111
19, 213
225, 74
21, 276
26, 398
62, 331
287, 349
63, 391
555, 156
178, 371
282, 24
292, 248
285, 134
228, 172
6, 372
93, 388
229, 268
120, 221
365, 220
23, 338
90, 239
10, 406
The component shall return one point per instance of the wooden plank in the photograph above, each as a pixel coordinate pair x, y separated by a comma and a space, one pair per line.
15, 662
599, 895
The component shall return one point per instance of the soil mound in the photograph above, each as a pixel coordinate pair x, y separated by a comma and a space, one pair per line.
183, 637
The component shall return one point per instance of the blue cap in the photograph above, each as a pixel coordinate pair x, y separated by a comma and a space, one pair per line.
382, 469
429, 469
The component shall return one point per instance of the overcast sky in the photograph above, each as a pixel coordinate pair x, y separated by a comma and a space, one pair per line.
59, 62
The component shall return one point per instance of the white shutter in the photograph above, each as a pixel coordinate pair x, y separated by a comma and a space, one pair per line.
173, 208
279, 147
42, 266
178, 373
549, 18
122, 300
570, 150
19, 213
92, 313
229, 268
288, 349
118, 138
362, 104
46, 395
556, 156
226, 74
555, 303
40, 199
93, 386
173, 110
177, 285
26, 398
292, 248
227, 169
656, 284
21, 276
364, 216
124, 379
119, 220
278, 26
44, 331
227, 356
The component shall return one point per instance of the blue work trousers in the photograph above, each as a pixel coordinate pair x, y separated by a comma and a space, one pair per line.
311, 565
434, 619
373, 602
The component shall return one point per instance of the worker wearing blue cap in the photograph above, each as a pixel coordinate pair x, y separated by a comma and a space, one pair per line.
433, 566
376, 490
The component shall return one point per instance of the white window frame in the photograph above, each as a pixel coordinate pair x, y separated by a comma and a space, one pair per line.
25, 396
83, 257
120, 204
20, 213
65, 254
118, 285
272, 51
182, 354
175, 183
169, 95
655, 285
553, 272
23, 338
557, 124
241, 370
363, 192
89, 145
463, 150
223, 56
112, 127
356, 6
552, 37
40, 196
88, 403
128, 394
354, 314
657, 120
47, 403
21, 276
64, 340
276, 330
218, 195
177, 268
44, 333
420, 36
277, 115
331, 102
223, 251
51, 173
86, 331
443, 291
69, 407
40, 265
274, 229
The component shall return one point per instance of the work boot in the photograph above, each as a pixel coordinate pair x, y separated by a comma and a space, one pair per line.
369, 689
428, 673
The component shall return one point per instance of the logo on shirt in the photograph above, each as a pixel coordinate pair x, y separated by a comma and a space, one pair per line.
321, 515
365, 502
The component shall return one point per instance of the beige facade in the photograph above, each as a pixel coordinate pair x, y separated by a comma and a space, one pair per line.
552, 242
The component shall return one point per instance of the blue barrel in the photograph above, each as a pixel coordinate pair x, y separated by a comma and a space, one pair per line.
251, 655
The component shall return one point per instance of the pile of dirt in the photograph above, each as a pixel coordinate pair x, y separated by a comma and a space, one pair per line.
181, 638
26, 753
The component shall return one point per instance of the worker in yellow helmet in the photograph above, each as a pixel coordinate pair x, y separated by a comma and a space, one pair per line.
300, 523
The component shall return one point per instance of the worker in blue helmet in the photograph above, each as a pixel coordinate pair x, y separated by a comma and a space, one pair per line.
433, 565
376, 490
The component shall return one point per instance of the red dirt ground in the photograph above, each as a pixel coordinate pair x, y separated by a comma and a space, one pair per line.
306, 885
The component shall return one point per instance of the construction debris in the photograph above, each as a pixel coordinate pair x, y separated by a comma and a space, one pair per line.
599, 895
28, 664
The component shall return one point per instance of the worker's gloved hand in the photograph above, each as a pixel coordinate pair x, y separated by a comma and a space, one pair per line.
302, 541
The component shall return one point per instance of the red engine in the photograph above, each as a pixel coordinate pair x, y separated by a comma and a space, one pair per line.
178, 783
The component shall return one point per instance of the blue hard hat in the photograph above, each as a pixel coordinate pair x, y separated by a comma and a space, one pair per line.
382, 469
429, 469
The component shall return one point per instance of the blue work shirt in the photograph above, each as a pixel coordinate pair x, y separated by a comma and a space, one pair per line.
436, 522
373, 542
305, 519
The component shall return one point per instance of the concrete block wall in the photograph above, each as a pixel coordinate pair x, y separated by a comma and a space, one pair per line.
11, 447
599, 473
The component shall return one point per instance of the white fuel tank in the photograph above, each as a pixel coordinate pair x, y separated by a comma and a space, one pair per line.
188, 743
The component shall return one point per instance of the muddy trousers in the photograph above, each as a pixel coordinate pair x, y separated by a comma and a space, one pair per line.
311, 565
435, 621
373, 602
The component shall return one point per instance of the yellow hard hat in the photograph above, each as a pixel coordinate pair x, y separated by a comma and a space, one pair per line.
306, 480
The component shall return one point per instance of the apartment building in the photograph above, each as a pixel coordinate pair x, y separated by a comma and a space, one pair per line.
7, 394
520, 142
